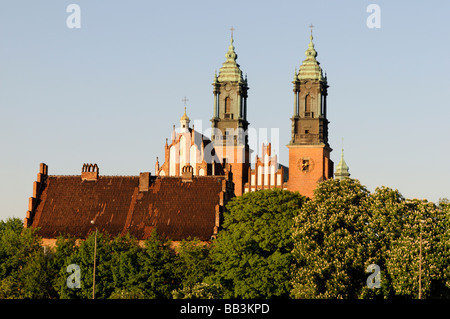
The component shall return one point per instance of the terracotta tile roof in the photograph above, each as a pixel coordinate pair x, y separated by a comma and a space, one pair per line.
67, 204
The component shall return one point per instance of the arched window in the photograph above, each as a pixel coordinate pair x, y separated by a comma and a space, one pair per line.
173, 161
260, 173
307, 103
227, 105
193, 158
272, 175
183, 153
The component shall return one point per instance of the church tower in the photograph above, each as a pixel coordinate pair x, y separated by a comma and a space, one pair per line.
229, 122
309, 151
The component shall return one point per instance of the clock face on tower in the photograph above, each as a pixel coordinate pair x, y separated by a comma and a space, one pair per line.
305, 164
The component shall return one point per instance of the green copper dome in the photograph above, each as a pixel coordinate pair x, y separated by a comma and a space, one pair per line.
230, 70
342, 170
310, 69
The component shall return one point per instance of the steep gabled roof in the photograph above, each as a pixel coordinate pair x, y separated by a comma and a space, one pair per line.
177, 208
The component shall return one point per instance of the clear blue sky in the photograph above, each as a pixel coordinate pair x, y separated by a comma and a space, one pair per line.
109, 92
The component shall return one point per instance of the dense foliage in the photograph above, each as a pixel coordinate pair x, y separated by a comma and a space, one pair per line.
346, 228
252, 254
273, 244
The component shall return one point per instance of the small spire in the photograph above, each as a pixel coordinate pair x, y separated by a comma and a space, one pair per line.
311, 27
202, 149
185, 99
230, 70
342, 170
231, 54
310, 69
157, 166
342, 151
311, 52
185, 117
184, 121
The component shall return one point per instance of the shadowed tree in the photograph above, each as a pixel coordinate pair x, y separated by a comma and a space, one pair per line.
252, 254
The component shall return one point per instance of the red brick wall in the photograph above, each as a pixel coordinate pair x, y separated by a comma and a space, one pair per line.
240, 163
320, 168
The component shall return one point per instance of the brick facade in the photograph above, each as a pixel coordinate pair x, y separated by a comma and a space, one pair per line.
308, 166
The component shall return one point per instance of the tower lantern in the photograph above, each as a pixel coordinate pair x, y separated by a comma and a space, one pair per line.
309, 151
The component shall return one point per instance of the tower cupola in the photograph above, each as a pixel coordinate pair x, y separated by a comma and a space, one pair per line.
342, 170
184, 122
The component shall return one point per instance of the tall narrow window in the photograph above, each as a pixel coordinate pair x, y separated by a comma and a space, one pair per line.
307, 103
227, 105
172, 161
193, 158
183, 153
320, 108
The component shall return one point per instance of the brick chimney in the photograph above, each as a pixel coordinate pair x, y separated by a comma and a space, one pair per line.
144, 181
187, 173
89, 172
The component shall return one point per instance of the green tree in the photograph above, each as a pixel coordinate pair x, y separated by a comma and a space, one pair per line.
11, 224
345, 228
393, 232
36, 277
24, 269
156, 276
125, 267
200, 290
83, 256
192, 265
63, 253
252, 254
386, 210
330, 245
426, 220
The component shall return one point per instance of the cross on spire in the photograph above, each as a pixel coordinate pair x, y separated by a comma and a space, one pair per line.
232, 29
311, 26
185, 101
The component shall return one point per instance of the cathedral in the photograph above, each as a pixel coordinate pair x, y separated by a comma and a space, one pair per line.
187, 194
